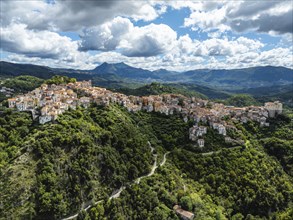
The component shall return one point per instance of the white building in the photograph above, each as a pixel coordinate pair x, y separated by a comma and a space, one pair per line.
222, 130
45, 118
11, 103
200, 142
274, 108
21, 106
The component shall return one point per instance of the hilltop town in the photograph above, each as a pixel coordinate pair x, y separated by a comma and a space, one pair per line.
48, 101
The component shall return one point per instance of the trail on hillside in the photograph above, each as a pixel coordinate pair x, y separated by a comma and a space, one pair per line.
164, 159
116, 193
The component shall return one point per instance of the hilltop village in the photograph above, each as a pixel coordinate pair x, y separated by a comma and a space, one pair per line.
49, 101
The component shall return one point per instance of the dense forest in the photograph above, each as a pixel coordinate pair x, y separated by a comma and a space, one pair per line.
56, 170
158, 88
241, 100
51, 171
22, 84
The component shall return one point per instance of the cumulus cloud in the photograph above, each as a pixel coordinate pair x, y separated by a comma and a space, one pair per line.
277, 57
207, 20
107, 36
132, 41
273, 57
68, 15
261, 16
281, 24
30, 31
218, 47
150, 40
78, 14
16, 38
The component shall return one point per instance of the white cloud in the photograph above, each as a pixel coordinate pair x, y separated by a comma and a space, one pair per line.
68, 15
121, 34
207, 20
218, 47
147, 12
260, 16
107, 36
277, 57
29, 30
150, 40
82, 63
16, 38
273, 57
21, 10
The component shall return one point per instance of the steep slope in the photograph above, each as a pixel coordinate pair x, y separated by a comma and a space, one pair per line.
55, 170
85, 156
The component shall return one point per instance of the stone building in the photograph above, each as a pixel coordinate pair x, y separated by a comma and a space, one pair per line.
200, 142
274, 108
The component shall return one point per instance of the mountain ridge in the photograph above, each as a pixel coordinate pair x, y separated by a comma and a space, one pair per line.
236, 79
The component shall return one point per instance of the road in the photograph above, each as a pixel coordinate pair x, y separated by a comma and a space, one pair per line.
116, 193
164, 159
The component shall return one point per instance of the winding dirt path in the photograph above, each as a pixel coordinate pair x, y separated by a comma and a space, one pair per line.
164, 159
116, 193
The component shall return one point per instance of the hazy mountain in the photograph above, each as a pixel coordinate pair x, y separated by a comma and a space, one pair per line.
123, 70
234, 79
246, 78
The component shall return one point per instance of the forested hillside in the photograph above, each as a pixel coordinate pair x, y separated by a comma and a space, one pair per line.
158, 88
55, 170
22, 84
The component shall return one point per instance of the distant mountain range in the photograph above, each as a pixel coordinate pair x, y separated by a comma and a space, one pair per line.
242, 78
247, 79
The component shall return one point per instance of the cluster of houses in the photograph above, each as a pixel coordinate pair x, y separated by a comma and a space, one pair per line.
46, 102
218, 112
49, 101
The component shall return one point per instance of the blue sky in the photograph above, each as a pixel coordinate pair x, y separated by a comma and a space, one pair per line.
175, 35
